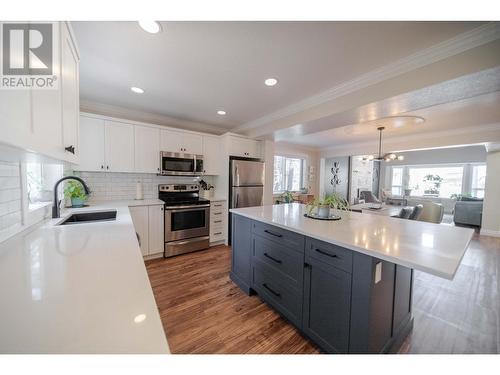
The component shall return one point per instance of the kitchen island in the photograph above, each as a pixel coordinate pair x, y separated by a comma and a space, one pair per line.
346, 284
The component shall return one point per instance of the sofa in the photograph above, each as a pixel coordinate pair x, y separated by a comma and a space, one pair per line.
468, 211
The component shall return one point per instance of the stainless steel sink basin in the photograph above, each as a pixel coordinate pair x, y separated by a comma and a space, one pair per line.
88, 217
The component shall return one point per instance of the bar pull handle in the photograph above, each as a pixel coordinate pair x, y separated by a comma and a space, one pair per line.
273, 234
272, 291
272, 258
327, 254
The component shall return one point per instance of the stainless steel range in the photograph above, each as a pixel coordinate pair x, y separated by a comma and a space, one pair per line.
187, 219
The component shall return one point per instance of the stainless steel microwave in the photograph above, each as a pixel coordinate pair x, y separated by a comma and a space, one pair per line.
180, 164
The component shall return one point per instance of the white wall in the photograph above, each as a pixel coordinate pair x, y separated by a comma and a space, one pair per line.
491, 207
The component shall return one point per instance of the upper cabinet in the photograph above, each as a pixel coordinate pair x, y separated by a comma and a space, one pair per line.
248, 148
47, 120
147, 149
174, 141
91, 144
106, 146
212, 152
119, 146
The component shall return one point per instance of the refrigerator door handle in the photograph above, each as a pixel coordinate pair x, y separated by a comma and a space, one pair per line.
236, 203
236, 176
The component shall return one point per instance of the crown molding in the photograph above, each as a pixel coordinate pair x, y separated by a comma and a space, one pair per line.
448, 48
146, 117
417, 137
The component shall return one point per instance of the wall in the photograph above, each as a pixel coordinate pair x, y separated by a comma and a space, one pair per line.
361, 177
122, 186
342, 185
10, 199
312, 159
491, 206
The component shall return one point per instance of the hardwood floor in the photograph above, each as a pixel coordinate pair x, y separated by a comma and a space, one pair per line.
204, 312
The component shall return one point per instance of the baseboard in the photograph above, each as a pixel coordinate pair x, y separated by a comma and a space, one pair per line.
489, 232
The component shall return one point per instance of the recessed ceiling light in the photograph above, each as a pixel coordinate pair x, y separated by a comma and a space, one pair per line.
140, 318
270, 81
137, 90
152, 27
222, 113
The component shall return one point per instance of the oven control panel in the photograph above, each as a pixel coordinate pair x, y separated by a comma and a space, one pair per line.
178, 188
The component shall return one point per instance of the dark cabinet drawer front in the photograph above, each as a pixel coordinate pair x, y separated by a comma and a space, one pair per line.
277, 292
280, 258
284, 237
330, 254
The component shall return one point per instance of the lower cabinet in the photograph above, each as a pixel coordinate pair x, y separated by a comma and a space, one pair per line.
344, 301
327, 306
148, 224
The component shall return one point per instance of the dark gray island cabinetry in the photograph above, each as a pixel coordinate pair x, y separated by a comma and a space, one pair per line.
342, 300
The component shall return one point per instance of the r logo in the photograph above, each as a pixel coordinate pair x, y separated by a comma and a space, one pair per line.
27, 49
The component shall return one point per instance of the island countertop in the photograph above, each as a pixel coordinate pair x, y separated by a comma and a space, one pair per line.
432, 248
79, 288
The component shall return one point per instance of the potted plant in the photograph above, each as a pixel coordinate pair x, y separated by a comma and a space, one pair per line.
287, 196
74, 191
436, 181
324, 205
206, 189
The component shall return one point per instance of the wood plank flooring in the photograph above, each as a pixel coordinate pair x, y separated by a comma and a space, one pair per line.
204, 312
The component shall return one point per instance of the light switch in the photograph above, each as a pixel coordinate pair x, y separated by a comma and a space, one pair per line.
378, 272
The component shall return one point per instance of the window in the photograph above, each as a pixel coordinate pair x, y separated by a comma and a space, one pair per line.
478, 180
435, 181
40, 180
397, 181
288, 174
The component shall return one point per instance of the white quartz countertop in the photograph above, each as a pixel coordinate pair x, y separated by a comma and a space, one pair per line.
79, 288
433, 248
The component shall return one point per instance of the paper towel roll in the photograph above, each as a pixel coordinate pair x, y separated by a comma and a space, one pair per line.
138, 191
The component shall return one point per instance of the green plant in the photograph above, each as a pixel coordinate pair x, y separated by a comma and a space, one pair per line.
334, 200
459, 196
436, 180
74, 189
287, 196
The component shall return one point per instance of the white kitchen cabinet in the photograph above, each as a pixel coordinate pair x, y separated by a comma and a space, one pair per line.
156, 230
140, 218
244, 147
218, 223
147, 149
70, 92
212, 155
174, 141
46, 121
92, 156
119, 146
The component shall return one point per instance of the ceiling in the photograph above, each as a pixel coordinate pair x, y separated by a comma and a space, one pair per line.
468, 113
193, 69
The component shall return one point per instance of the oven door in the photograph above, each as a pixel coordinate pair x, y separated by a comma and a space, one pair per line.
183, 222
177, 164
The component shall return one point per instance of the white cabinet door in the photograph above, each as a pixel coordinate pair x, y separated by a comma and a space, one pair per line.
192, 143
212, 155
147, 149
70, 95
140, 218
156, 230
254, 149
171, 141
91, 145
119, 146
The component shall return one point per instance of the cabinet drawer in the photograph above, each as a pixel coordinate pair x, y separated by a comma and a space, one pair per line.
330, 254
289, 263
284, 237
277, 292
218, 205
217, 236
217, 221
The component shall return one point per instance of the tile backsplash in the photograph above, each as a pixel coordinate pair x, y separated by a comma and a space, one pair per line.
122, 186
10, 199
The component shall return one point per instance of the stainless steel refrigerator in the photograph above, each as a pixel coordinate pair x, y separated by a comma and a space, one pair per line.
246, 184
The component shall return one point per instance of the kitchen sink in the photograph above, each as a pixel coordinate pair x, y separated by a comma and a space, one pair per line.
89, 217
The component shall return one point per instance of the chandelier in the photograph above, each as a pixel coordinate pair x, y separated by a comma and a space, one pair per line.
386, 157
